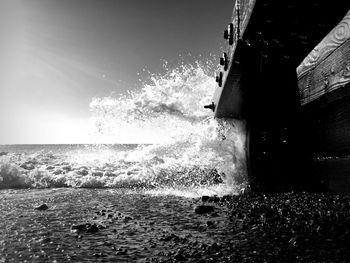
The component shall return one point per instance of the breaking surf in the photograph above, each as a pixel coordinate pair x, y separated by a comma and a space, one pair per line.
180, 147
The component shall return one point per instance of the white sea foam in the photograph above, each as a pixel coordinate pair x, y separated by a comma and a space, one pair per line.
190, 151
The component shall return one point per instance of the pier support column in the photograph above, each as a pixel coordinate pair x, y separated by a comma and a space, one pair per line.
276, 158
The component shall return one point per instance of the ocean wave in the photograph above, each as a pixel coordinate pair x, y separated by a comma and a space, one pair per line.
189, 148
46, 174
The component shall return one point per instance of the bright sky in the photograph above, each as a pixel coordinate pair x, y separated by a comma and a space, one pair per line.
55, 55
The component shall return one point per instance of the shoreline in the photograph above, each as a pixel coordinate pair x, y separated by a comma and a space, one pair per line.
136, 227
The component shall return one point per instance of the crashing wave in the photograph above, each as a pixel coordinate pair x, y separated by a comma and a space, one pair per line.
188, 148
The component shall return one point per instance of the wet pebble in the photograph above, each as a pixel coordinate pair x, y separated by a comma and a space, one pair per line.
87, 227
203, 209
46, 240
205, 198
42, 207
100, 254
92, 229
180, 255
211, 199
127, 218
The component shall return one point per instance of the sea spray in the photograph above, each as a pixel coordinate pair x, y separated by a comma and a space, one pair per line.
186, 148
162, 109
184, 135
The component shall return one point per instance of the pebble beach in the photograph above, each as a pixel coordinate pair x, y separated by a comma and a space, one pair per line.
116, 225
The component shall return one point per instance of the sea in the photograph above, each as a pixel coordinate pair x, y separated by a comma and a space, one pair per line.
117, 202
188, 152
